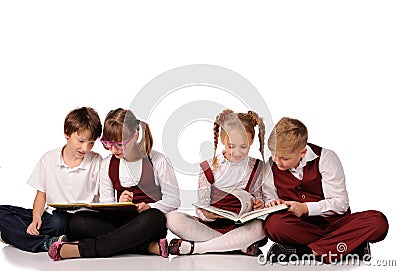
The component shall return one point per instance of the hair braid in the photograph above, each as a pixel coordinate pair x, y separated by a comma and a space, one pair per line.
216, 134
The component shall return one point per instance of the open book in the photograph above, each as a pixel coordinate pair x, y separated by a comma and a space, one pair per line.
245, 214
95, 206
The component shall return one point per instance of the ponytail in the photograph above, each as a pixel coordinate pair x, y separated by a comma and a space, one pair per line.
146, 144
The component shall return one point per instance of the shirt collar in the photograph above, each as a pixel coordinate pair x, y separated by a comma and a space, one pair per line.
83, 165
223, 160
310, 155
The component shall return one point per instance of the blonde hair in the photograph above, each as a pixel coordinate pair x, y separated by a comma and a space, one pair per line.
122, 123
244, 122
288, 136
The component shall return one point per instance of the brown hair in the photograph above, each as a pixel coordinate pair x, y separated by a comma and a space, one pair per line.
121, 123
288, 136
83, 119
245, 122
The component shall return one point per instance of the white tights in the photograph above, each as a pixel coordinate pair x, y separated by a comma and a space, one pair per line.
208, 240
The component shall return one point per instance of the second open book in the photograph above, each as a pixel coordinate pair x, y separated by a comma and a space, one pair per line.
246, 213
95, 206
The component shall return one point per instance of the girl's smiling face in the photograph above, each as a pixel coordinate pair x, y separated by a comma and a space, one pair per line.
236, 147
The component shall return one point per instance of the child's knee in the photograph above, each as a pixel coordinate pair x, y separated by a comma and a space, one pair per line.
380, 224
256, 226
273, 225
60, 223
174, 218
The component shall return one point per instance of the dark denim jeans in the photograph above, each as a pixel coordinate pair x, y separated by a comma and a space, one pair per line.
15, 220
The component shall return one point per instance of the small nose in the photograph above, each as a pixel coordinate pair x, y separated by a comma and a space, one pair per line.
85, 147
113, 149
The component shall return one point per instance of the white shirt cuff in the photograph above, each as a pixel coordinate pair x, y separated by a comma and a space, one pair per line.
313, 208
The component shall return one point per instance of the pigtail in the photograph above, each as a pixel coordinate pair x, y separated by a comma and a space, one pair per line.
220, 121
216, 135
146, 144
256, 120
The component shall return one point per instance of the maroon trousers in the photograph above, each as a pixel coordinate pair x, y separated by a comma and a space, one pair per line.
335, 236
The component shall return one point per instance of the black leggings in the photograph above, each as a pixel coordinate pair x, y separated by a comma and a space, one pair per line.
105, 234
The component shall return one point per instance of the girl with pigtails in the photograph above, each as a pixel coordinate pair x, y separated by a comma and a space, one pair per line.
132, 173
232, 169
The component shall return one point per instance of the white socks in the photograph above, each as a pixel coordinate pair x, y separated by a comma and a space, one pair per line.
208, 240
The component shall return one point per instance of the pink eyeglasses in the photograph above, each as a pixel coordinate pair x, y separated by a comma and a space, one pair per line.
120, 146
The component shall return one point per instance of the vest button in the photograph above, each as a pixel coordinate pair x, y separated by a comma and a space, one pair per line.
303, 196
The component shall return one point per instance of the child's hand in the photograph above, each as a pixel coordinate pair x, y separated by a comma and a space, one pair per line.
34, 227
210, 215
297, 208
126, 196
275, 202
142, 207
258, 204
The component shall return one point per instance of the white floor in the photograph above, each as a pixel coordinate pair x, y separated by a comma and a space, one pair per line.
15, 259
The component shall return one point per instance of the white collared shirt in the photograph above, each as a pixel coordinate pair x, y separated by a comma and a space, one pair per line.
63, 184
333, 184
130, 174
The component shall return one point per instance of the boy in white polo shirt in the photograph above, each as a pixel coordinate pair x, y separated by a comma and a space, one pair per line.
67, 174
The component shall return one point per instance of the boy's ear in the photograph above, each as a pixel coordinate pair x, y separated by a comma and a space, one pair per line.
303, 152
66, 136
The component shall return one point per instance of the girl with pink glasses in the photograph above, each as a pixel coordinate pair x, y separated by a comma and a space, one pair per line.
132, 173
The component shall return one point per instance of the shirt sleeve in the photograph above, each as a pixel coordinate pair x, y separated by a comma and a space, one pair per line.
268, 187
203, 195
333, 186
38, 176
96, 177
107, 191
166, 179
257, 191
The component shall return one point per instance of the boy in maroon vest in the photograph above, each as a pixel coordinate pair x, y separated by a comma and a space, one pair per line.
319, 224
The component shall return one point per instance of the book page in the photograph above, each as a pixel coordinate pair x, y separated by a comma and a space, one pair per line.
111, 204
222, 212
246, 200
262, 213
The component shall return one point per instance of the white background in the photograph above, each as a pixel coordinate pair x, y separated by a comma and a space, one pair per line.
332, 64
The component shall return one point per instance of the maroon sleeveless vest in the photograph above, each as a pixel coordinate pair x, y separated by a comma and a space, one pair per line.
145, 191
221, 199
307, 190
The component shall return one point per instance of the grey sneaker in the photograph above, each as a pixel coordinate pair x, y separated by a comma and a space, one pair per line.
52, 240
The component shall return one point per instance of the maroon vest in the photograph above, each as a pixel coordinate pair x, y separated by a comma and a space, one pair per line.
221, 199
145, 191
307, 190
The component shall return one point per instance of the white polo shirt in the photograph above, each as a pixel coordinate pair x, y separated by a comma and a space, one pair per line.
63, 184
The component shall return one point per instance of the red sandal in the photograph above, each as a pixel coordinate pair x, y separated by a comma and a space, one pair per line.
175, 244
